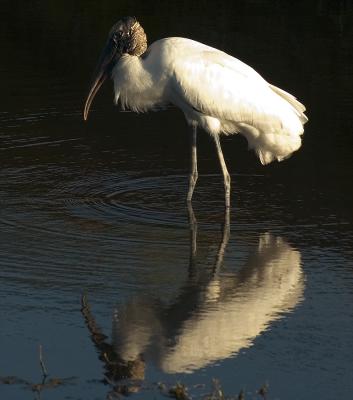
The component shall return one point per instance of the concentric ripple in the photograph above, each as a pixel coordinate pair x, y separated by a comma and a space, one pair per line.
149, 200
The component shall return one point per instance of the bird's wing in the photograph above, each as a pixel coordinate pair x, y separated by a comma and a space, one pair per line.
218, 85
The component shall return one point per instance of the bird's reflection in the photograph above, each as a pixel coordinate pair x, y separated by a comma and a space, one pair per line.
214, 316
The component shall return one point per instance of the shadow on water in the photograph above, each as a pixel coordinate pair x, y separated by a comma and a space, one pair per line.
213, 316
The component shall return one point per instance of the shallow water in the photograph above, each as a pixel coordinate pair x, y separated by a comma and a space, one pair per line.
262, 295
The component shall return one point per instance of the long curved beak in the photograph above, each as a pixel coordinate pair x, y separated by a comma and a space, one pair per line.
103, 70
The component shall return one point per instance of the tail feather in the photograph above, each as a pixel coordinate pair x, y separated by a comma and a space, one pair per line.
278, 137
299, 108
270, 146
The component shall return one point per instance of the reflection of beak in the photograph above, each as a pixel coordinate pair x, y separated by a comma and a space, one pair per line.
102, 71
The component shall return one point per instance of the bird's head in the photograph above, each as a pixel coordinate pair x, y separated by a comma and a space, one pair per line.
126, 37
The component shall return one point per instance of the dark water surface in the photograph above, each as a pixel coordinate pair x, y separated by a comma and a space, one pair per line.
99, 208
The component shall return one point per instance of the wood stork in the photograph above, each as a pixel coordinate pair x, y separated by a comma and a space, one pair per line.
215, 91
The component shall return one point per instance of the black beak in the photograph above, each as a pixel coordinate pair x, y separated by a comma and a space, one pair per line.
103, 70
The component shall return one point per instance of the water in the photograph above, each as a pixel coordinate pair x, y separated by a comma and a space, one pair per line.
262, 295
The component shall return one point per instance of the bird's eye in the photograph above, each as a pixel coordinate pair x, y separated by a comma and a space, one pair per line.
117, 35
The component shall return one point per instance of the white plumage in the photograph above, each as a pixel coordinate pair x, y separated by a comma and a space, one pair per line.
216, 92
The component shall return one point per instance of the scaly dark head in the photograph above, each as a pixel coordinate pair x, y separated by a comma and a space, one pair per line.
126, 36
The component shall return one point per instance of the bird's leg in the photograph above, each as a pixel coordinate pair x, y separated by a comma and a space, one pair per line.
225, 172
193, 173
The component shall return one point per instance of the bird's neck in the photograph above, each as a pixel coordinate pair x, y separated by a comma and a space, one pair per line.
134, 84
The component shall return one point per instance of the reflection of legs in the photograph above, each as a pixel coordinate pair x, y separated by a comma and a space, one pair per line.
193, 242
224, 241
193, 172
193, 239
225, 172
